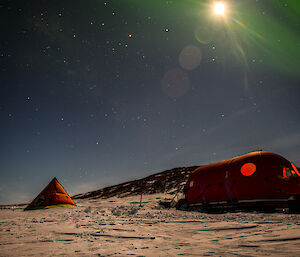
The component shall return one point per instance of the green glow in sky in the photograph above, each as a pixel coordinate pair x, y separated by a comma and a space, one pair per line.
270, 33
265, 32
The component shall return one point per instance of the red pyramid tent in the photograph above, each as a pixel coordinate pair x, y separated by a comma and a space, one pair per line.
53, 195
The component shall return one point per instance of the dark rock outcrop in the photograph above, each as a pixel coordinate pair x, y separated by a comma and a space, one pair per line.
166, 181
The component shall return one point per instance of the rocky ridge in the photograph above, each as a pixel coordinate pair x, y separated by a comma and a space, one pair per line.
169, 181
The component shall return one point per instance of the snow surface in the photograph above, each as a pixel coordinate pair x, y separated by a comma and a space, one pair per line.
121, 227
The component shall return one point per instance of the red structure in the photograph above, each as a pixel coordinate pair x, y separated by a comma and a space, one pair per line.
257, 179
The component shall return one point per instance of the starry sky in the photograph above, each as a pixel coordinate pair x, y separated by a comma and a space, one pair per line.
99, 92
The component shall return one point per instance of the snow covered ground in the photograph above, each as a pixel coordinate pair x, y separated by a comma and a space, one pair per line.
120, 227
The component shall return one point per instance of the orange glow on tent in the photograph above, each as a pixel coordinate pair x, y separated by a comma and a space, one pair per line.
248, 169
295, 169
290, 172
53, 195
284, 173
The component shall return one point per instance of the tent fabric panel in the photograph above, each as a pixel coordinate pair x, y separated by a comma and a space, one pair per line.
52, 195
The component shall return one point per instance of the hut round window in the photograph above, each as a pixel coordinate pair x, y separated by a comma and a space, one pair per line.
248, 169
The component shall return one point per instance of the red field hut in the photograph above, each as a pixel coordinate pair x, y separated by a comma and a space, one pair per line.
254, 179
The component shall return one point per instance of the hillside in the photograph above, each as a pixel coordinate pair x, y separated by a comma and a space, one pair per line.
167, 181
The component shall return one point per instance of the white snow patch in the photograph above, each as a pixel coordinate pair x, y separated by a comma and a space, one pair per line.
121, 227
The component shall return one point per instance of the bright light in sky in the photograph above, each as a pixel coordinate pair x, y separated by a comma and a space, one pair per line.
219, 8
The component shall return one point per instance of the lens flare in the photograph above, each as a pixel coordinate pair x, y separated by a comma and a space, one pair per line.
190, 57
219, 8
175, 83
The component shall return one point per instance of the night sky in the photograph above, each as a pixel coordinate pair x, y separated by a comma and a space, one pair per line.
100, 92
